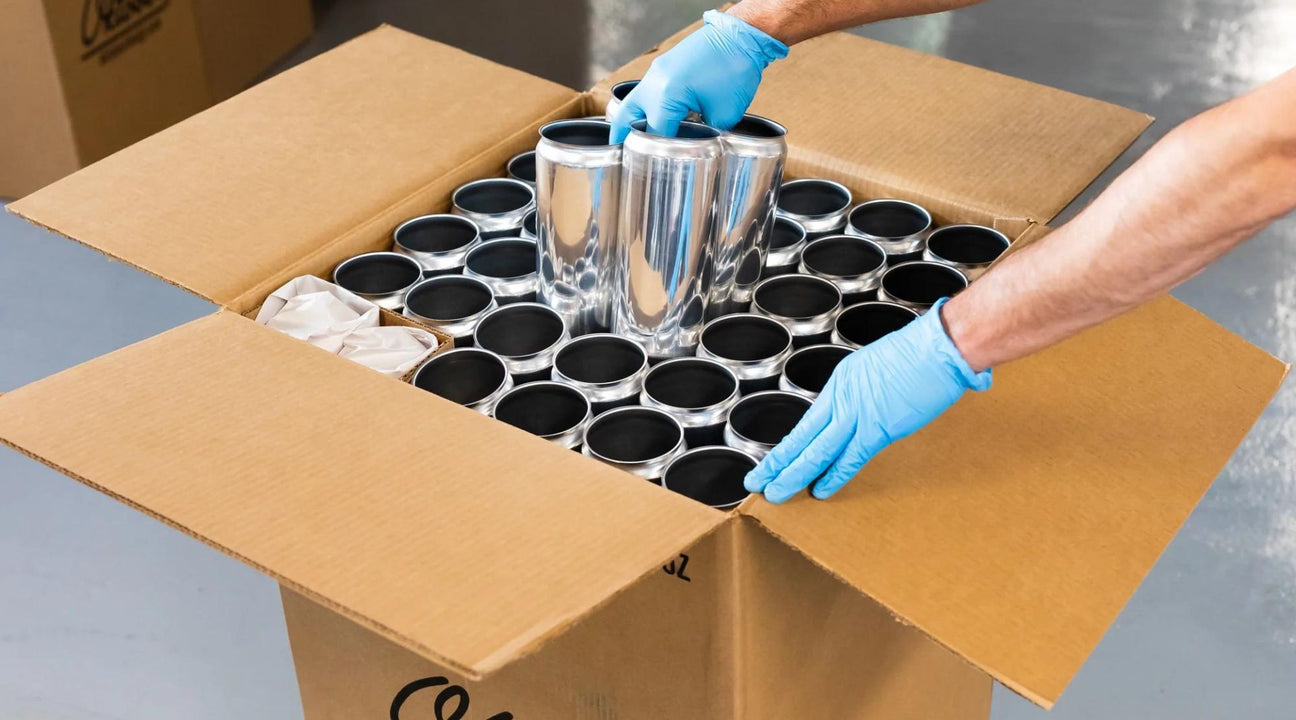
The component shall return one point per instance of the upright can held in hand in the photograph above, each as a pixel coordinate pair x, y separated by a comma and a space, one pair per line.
755, 152
578, 192
669, 187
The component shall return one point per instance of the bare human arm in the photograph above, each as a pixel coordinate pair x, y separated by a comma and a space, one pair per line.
792, 21
1208, 186
1205, 188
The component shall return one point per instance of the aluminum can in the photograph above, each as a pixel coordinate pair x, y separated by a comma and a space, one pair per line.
866, 323
697, 392
438, 242
809, 369
753, 346
550, 410
899, 226
508, 266
382, 278
497, 205
806, 304
609, 369
639, 440
471, 377
854, 264
523, 167
970, 248
919, 284
578, 192
761, 420
711, 475
820, 206
452, 304
526, 335
668, 200
755, 153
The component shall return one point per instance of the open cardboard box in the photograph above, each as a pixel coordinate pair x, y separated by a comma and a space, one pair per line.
431, 556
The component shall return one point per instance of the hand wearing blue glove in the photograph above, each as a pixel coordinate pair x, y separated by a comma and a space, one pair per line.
877, 395
713, 72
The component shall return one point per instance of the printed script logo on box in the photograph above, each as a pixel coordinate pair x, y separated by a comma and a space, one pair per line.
110, 26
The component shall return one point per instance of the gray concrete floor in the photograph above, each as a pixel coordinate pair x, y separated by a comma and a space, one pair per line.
107, 614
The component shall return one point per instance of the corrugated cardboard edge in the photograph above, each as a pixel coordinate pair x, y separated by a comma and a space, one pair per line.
257, 293
526, 644
1032, 234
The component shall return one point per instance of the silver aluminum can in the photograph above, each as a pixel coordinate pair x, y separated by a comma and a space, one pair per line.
696, 391
619, 93
578, 193
970, 248
382, 278
554, 411
608, 368
761, 420
471, 377
787, 241
755, 152
899, 226
809, 369
508, 267
639, 440
866, 323
919, 284
523, 167
854, 264
753, 346
452, 304
806, 304
526, 335
713, 476
668, 204
438, 242
820, 206
497, 205
529, 226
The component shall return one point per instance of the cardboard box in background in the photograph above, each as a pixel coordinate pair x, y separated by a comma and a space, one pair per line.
436, 563
81, 79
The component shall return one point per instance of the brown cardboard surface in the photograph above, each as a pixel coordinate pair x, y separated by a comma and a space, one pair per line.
661, 649
226, 198
1015, 527
813, 647
36, 146
241, 38
465, 540
127, 76
970, 143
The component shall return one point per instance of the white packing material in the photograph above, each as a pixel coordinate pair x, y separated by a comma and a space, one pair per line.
337, 320
317, 311
391, 350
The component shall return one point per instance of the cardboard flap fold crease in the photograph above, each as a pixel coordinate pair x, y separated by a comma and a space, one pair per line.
1012, 530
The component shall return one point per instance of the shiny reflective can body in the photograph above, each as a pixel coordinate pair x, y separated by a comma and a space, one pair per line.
669, 189
497, 205
820, 206
755, 153
578, 182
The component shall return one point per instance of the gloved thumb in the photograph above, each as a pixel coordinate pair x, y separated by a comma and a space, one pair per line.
629, 112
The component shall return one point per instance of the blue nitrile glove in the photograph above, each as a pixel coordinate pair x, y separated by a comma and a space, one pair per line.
713, 72
877, 395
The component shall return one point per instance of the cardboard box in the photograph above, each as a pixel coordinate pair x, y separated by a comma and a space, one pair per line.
433, 559
84, 79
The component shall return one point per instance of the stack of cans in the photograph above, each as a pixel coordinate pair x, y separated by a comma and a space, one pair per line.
667, 305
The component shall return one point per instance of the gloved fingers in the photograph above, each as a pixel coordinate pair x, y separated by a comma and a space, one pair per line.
817, 457
862, 447
664, 118
815, 420
629, 112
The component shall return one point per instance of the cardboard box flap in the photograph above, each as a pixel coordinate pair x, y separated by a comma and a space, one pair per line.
891, 121
1015, 527
231, 195
456, 536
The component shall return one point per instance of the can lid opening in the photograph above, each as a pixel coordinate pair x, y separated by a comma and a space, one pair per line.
843, 256
519, 330
813, 198
690, 383
449, 297
463, 376
586, 133
493, 196
623, 88
809, 369
786, 233
967, 244
767, 417
502, 259
890, 219
600, 359
746, 338
436, 233
543, 409
633, 435
523, 167
759, 127
923, 282
797, 296
378, 274
869, 322
712, 476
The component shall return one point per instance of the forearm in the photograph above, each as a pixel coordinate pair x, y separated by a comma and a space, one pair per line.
792, 21
1204, 189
